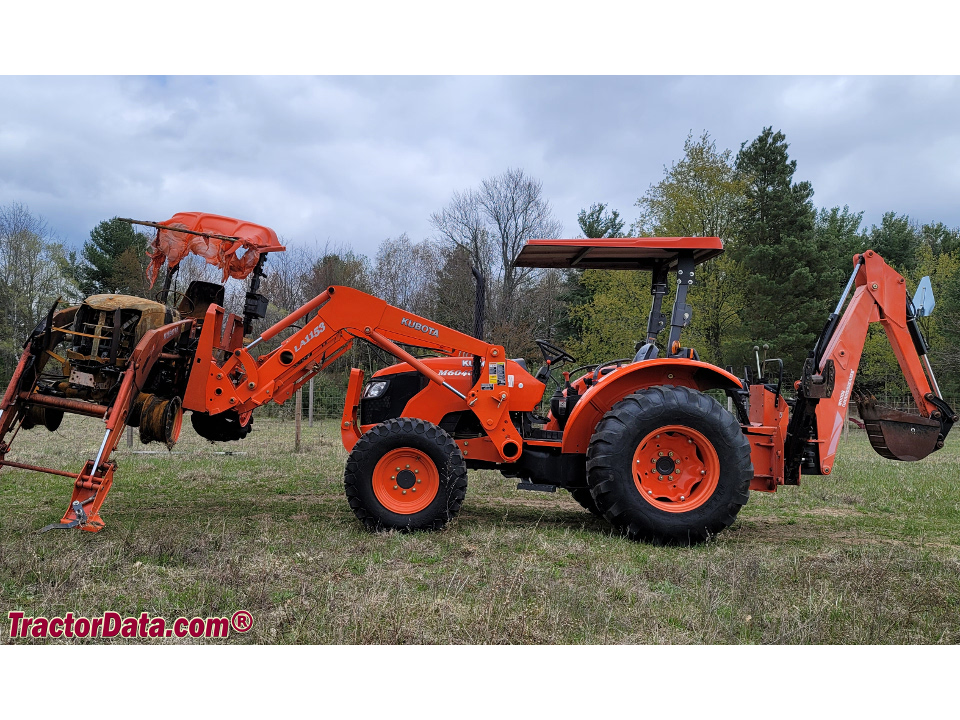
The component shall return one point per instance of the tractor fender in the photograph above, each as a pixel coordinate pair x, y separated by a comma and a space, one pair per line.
615, 386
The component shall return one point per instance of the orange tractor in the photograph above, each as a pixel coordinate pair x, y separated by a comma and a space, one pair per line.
636, 441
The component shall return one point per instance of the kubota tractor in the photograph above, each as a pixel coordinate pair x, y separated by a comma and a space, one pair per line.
634, 440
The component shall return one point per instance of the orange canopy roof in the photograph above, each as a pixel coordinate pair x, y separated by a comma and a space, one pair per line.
616, 253
236, 251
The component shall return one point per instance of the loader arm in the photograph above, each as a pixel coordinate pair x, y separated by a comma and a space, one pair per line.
244, 381
826, 387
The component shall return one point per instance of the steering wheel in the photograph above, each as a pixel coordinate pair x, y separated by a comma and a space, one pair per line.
176, 294
552, 354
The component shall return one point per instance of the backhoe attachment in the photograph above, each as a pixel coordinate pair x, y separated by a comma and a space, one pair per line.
827, 386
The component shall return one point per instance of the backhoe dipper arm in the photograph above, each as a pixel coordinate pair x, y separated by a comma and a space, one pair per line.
342, 315
815, 428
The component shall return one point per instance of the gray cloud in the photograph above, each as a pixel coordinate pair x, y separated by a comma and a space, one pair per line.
358, 159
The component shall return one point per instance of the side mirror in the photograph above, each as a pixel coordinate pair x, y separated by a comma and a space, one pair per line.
923, 301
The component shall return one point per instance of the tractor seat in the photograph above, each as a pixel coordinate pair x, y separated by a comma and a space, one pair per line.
521, 362
198, 297
649, 351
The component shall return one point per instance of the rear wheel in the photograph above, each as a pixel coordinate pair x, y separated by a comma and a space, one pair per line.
669, 464
405, 474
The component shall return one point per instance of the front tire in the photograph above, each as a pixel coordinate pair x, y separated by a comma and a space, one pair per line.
670, 465
583, 496
405, 474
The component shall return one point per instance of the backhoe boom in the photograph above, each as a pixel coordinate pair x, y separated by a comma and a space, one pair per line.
827, 385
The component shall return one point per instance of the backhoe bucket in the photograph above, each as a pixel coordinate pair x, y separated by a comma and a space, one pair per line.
898, 435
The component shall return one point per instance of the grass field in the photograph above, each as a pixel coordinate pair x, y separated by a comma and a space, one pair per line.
870, 554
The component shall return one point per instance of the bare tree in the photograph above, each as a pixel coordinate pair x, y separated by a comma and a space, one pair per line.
462, 224
405, 274
493, 223
514, 206
33, 273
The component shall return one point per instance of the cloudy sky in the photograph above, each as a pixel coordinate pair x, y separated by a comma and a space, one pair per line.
354, 160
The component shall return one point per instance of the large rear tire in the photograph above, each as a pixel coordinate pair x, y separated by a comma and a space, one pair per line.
405, 474
670, 465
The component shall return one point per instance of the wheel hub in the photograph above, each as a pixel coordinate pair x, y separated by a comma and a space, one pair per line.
666, 466
676, 468
405, 481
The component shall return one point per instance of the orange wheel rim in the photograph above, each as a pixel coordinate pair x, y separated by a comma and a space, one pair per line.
676, 469
405, 481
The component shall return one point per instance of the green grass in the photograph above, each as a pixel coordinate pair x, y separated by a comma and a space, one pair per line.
870, 554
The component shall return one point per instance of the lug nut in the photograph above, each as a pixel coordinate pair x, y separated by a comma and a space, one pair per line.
703, 472
661, 478
416, 471
661, 454
408, 466
670, 453
413, 489
398, 468
418, 480
649, 492
395, 487
393, 477
682, 497
404, 492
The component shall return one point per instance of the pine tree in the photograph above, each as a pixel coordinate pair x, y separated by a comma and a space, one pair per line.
839, 238
786, 296
897, 240
110, 260
597, 222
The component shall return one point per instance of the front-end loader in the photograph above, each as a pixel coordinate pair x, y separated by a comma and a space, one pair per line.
636, 440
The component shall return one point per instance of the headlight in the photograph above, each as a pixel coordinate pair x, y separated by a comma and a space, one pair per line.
375, 389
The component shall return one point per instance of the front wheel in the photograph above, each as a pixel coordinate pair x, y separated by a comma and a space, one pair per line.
405, 474
583, 496
669, 464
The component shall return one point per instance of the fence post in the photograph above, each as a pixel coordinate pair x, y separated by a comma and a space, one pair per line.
846, 422
297, 414
310, 405
129, 436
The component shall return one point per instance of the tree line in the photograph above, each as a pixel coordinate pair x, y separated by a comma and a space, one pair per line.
785, 265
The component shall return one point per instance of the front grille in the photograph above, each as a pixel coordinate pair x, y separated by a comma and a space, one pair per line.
400, 388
